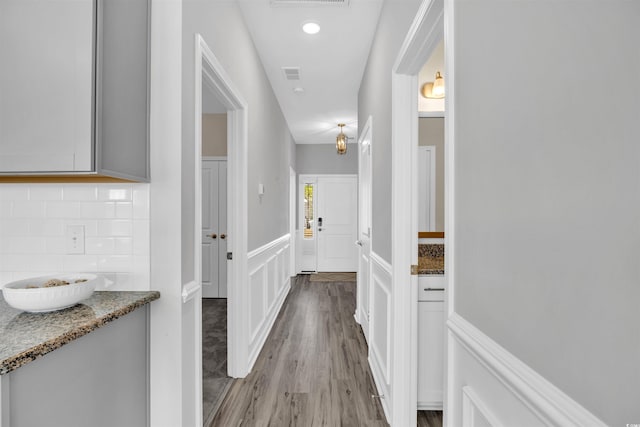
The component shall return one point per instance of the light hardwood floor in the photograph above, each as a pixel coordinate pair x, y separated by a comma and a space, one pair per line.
313, 369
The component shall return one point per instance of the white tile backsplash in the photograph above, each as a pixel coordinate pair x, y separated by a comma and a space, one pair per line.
33, 219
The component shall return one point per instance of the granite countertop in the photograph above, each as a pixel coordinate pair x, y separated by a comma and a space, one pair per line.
430, 259
25, 337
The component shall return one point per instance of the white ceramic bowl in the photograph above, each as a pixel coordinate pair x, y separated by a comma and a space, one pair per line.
39, 300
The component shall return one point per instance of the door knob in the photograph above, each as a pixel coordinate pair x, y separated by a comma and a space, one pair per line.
223, 236
213, 236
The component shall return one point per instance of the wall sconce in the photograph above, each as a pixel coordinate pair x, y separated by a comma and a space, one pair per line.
435, 89
341, 140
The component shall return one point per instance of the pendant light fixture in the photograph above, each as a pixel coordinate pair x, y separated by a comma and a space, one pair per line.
435, 89
341, 140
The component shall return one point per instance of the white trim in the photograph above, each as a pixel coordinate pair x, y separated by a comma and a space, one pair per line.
471, 405
544, 399
275, 253
433, 114
264, 249
449, 202
422, 38
211, 158
379, 371
209, 71
190, 290
292, 221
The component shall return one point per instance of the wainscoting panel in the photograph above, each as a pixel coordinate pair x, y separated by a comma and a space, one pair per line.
269, 288
488, 386
380, 327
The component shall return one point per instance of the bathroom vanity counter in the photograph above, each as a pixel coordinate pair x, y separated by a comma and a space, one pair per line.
430, 259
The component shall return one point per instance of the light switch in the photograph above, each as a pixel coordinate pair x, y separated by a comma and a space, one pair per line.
75, 239
260, 189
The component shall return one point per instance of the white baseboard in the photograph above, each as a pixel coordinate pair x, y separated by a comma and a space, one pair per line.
484, 375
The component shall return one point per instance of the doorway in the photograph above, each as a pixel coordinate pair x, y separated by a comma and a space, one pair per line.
215, 93
425, 33
328, 218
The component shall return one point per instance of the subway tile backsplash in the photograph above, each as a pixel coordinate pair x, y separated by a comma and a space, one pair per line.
34, 219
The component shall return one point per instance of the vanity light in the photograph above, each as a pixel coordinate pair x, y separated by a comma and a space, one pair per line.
435, 89
341, 140
311, 27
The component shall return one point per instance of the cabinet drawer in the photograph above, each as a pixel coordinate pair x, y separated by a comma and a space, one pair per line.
431, 288
429, 295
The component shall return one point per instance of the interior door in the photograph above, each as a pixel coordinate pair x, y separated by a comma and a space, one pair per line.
337, 223
364, 229
214, 221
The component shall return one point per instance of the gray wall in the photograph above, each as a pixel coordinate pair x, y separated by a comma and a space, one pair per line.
323, 159
270, 142
548, 190
374, 99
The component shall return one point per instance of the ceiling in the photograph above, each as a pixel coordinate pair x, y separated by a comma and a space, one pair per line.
331, 62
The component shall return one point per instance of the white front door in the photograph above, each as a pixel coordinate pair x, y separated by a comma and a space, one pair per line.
214, 229
364, 229
337, 200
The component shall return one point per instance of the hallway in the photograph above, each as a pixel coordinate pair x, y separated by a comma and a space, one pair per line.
313, 369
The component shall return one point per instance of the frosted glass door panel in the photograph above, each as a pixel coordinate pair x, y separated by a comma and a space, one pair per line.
46, 85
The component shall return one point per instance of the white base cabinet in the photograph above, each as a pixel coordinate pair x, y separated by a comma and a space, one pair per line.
430, 347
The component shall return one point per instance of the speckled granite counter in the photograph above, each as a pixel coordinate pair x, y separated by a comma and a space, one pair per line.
430, 258
25, 337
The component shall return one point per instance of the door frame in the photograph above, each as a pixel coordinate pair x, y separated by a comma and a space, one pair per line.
209, 72
425, 32
293, 217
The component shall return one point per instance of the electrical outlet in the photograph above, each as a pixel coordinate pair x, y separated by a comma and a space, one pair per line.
75, 239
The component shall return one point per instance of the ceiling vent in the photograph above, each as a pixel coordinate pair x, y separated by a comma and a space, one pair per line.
309, 2
291, 73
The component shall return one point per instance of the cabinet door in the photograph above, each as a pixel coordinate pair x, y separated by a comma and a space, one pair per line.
46, 85
430, 354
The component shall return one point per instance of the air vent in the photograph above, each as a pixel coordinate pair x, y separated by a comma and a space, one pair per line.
291, 73
309, 2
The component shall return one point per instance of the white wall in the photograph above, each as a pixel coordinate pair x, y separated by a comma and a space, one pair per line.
547, 196
33, 221
374, 99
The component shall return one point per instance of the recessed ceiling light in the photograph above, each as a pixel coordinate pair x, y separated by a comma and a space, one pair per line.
311, 27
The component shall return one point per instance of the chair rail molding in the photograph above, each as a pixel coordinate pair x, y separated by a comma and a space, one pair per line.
506, 375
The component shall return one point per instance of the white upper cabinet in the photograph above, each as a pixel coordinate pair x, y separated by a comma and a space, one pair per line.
74, 87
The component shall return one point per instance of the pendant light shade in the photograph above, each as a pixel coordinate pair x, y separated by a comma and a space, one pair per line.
435, 89
341, 141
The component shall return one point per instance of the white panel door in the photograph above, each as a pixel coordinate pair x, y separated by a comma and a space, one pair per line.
427, 188
222, 227
364, 229
337, 223
214, 222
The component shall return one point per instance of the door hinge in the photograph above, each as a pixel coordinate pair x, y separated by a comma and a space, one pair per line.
414, 270
229, 255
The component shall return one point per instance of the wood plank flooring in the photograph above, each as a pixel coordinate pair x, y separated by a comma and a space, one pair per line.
313, 369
